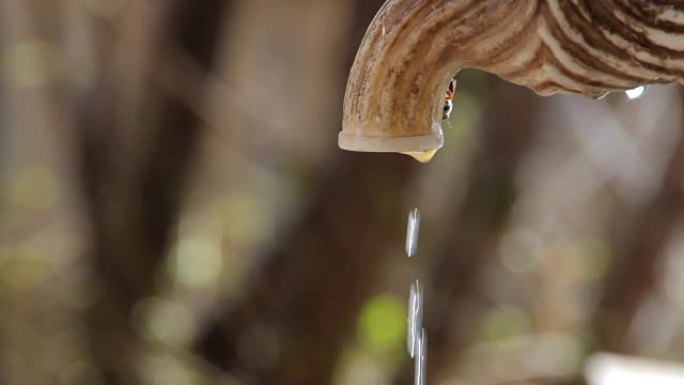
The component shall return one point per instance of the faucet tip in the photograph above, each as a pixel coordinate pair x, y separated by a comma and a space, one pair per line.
402, 144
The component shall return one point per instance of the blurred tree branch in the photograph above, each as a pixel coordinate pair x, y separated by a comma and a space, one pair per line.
635, 270
134, 190
639, 256
308, 292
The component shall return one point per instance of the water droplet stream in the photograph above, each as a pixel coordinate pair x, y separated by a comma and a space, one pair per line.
416, 338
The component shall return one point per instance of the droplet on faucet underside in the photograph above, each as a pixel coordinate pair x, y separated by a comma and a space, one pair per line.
422, 156
636, 92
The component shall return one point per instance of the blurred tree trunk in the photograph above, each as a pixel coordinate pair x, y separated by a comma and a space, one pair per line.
640, 252
134, 188
639, 257
301, 305
477, 225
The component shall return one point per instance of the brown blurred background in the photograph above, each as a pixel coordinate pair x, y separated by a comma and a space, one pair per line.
174, 210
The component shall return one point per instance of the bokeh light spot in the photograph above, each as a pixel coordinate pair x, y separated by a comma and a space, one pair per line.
505, 322
521, 250
244, 218
23, 268
168, 370
165, 321
382, 324
33, 188
29, 63
198, 261
597, 257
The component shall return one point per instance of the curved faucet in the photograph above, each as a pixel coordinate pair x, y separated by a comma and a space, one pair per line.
395, 92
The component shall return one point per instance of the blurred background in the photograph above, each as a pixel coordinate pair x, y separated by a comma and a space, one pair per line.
174, 210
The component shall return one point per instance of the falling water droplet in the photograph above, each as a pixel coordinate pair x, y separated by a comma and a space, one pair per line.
422, 156
410, 321
416, 339
415, 317
423, 356
419, 359
635, 93
417, 368
418, 314
412, 230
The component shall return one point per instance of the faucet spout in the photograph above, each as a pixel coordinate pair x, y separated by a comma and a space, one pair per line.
412, 49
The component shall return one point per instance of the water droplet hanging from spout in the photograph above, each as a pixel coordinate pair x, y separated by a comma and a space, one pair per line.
422, 156
636, 93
